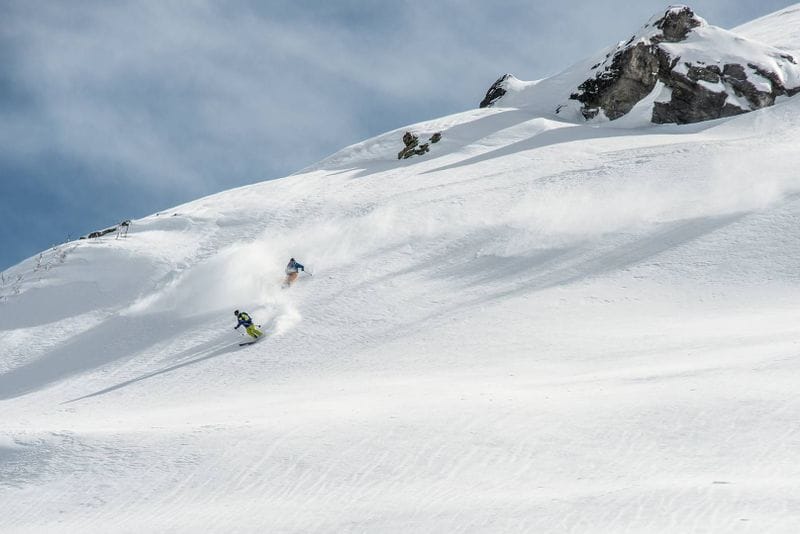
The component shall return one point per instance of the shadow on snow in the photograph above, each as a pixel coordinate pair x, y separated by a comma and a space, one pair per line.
214, 352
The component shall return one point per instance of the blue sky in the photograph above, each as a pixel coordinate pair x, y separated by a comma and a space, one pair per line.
116, 110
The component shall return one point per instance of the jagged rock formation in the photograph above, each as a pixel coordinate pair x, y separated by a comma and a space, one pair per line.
632, 75
412, 146
496, 91
693, 101
676, 24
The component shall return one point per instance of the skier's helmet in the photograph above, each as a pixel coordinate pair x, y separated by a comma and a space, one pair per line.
291, 259
236, 312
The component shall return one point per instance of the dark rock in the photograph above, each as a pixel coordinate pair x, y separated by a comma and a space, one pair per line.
631, 76
496, 91
413, 148
710, 73
101, 233
733, 71
689, 105
410, 141
775, 80
676, 24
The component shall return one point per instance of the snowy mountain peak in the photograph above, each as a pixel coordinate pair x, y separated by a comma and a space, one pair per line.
676, 69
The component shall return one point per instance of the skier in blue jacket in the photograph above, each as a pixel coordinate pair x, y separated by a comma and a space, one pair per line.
292, 271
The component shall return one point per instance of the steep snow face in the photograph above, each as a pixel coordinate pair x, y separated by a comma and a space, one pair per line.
707, 72
538, 325
780, 29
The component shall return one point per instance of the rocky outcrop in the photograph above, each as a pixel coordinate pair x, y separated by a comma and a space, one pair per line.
414, 148
496, 91
693, 101
676, 24
632, 75
695, 90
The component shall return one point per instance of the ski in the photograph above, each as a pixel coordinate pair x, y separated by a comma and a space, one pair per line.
252, 342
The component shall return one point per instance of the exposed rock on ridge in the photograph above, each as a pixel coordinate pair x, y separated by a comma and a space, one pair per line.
414, 148
496, 91
676, 24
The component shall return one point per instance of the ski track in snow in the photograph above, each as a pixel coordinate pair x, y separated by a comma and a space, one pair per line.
537, 327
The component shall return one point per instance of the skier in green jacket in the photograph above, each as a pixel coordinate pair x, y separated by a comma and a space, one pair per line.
247, 323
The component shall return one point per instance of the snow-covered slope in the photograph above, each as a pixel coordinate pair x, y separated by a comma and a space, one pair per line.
538, 326
780, 29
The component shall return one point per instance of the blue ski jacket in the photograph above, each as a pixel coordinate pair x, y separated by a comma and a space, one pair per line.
293, 267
